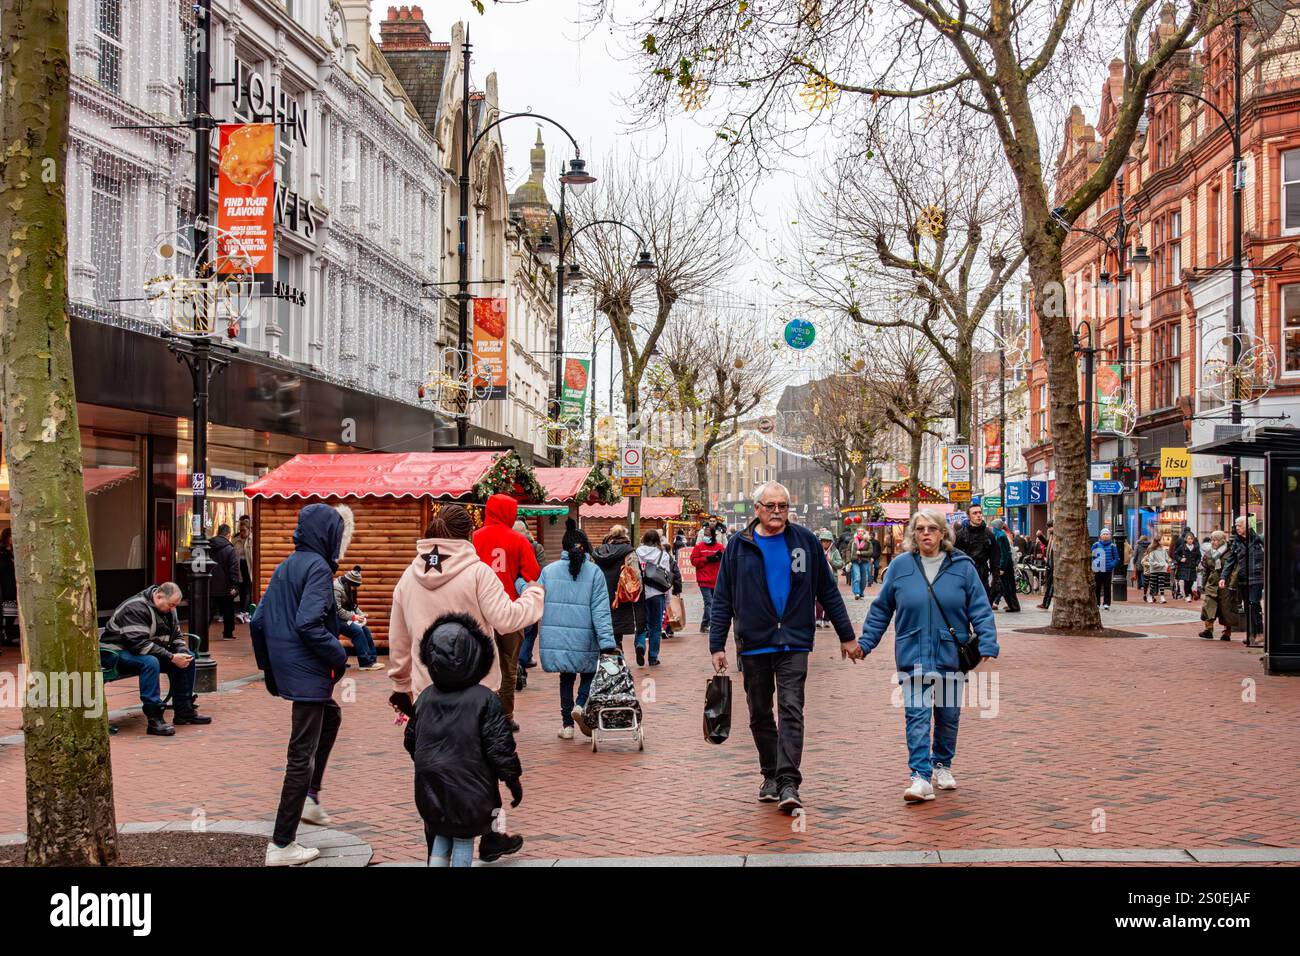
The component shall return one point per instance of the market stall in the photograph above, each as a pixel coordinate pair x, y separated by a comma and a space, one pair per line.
565, 490
596, 519
392, 498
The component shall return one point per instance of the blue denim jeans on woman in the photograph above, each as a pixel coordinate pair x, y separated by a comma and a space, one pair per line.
363, 642
922, 694
526, 648
452, 851
149, 667
567, 681
707, 594
861, 577
654, 624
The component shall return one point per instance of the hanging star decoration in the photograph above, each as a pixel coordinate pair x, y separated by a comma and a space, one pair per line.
694, 94
818, 93
855, 457
433, 560
930, 222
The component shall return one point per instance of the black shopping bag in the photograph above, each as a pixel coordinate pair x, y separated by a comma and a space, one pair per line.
717, 709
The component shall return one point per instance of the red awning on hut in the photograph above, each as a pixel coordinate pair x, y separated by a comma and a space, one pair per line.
451, 474
650, 508
562, 484
95, 480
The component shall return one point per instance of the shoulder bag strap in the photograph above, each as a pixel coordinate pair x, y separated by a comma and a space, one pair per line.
929, 587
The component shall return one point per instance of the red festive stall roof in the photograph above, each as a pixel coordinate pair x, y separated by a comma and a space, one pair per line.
562, 484
650, 508
900, 491
95, 480
451, 474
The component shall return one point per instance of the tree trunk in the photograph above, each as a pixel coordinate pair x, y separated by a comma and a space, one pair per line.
963, 381
702, 479
1073, 607
70, 819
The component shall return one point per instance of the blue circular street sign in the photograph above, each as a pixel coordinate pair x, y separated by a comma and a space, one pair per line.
799, 334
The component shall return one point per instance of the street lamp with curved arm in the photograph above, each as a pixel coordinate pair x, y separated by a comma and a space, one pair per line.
576, 176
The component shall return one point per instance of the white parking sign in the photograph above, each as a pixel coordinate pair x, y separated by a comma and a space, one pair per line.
631, 459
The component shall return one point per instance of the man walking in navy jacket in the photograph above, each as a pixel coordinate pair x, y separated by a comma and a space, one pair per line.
772, 575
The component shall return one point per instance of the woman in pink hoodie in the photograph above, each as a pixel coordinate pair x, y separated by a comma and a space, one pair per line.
447, 577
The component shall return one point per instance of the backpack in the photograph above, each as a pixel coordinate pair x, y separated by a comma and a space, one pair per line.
628, 590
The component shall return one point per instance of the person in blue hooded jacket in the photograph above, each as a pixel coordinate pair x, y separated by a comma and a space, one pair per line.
576, 628
1104, 558
925, 653
296, 643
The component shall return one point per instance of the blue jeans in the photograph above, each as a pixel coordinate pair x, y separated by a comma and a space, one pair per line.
149, 667
708, 603
460, 850
363, 642
861, 577
566, 694
526, 648
654, 624
942, 694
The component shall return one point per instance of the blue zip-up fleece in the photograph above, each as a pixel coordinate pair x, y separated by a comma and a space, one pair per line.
295, 627
742, 595
920, 638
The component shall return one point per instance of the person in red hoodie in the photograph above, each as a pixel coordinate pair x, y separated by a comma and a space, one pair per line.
707, 558
511, 556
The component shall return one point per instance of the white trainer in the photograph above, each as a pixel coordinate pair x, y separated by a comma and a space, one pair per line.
292, 855
313, 812
566, 733
919, 791
942, 778
579, 716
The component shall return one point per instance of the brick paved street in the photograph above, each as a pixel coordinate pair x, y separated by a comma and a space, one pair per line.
1149, 736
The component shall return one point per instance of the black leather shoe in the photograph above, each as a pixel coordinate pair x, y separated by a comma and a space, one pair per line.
640, 657
790, 801
768, 792
521, 681
158, 727
190, 717
492, 846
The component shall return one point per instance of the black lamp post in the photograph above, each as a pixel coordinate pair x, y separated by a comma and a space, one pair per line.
1089, 353
576, 177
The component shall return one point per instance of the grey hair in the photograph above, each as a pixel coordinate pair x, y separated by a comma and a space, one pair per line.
762, 490
935, 517
1217, 535
997, 524
170, 590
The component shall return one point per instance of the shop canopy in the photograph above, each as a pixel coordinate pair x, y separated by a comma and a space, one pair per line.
95, 480
900, 491
650, 508
447, 475
1254, 443
580, 485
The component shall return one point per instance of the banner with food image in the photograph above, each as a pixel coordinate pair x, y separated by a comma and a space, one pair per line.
246, 201
573, 395
992, 447
490, 346
1109, 397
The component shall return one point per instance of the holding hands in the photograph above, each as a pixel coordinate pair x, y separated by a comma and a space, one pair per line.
852, 650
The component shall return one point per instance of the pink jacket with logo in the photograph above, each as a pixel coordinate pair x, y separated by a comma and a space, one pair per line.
447, 577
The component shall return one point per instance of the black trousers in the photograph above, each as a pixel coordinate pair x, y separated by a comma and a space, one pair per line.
1102, 585
1047, 588
245, 587
226, 608
780, 743
314, 730
1008, 589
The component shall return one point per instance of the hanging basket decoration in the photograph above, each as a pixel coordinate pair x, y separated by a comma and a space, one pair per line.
601, 486
818, 93
931, 222
510, 476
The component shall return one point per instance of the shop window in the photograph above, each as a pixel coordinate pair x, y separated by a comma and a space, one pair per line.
112, 476
1291, 326
108, 34
1213, 206
1291, 190
106, 238
1175, 248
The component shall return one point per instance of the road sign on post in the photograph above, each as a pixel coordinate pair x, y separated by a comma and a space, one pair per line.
631, 463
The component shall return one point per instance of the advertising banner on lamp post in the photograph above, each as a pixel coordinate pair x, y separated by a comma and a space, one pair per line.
573, 391
992, 447
246, 200
490, 346
1109, 397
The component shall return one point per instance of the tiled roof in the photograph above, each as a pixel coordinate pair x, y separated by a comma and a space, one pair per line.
421, 72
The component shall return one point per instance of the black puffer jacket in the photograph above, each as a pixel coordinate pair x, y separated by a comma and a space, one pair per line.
627, 618
979, 545
459, 737
225, 566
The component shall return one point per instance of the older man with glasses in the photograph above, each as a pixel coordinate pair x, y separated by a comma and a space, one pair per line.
772, 575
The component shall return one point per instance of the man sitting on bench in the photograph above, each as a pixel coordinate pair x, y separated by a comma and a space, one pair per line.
148, 633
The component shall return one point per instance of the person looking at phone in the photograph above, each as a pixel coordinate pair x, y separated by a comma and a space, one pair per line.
147, 633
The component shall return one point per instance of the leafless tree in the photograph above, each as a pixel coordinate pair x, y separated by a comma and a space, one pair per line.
690, 243
780, 65
712, 373
846, 427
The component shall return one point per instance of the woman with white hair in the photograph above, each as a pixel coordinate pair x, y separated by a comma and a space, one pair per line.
933, 594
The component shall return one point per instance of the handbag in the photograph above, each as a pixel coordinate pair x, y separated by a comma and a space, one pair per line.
968, 651
657, 577
717, 708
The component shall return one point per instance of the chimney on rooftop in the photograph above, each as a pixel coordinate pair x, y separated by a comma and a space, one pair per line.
405, 29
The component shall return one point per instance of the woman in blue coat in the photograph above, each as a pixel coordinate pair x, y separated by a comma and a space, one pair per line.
924, 651
576, 628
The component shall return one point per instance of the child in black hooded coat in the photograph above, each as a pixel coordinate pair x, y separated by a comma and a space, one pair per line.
461, 743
